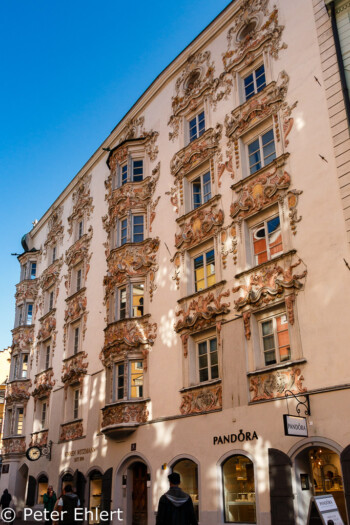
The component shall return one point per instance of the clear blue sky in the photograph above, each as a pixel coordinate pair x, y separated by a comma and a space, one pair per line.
70, 71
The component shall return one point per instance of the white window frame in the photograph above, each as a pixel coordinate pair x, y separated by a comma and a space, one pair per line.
116, 375
198, 133
76, 404
129, 221
129, 308
16, 422
272, 316
263, 223
54, 256
43, 415
80, 229
208, 354
261, 151
203, 196
204, 254
47, 355
253, 73
130, 361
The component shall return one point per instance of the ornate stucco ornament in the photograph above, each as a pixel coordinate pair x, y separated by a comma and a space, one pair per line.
26, 290
76, 307
48, 326
55, 234
124, 413
272, 385
43, 384
255, 29
201, 399
202, 308
22, 337
39, 439
74, 370
201, 224
82, 203
18, 392
13, 445
70, 431
51, 275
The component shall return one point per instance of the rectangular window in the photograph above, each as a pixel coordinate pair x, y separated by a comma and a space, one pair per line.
275, 340
254, 82
50, 300
261, 151
47, 357
79, 273
20, 315
15, 367
197, 126
137, 170
33, 270
43, 415
80, 229
201, 190
76, 340
122, 303
123, 231
137, 228
137, 299
124, 174
267, 240
24, 367
204, 270
208, 364
75, 404
19, 421
54, 254
29, 314
119, 380
136, 379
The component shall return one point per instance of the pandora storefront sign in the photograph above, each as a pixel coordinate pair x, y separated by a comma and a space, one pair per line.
233, 438
295, 426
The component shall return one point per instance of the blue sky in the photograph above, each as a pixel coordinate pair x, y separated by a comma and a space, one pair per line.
70, 71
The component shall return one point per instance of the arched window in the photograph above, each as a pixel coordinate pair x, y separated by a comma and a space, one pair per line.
67, 479
239, 490
95, 496
43, 483
188, 471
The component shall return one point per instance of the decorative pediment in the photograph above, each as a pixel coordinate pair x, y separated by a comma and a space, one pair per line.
201, 399
127, 335
131, 260
43, 384
51, 275
259, 107
124, 416
74, 370
22, 337
48, 326
71, 431
200, 225
255, 29
55, 234
26, 291
201, 311
196, 152
275, 384
82, 203
76, 307
195, 83
18, 392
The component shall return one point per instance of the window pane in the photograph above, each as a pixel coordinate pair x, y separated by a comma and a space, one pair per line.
206, 187
201, 123
270, 358
76, 340
33, 270
259, 244
193, 129
199, 273
123, 231
275, 237
136, 379
137, 299
203, 375
24, 366
269, 342
137, 172
203, 361
138, 228
254, 156
122, 303
260, 78
29, 313
120, 380
20, 416
214, 372
239, 490
283, 337
196, 193
268, 147
210, 257
124, 174
267, 328
202, 348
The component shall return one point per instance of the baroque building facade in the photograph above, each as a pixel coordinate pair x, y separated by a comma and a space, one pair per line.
186, 290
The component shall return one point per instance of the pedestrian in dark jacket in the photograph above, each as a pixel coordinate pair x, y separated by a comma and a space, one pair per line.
175, 506
68, 503
5, 499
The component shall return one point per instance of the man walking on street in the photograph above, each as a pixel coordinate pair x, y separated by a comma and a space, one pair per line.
175, 506
68, 503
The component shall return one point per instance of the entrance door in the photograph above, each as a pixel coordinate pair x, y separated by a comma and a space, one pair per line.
139, 494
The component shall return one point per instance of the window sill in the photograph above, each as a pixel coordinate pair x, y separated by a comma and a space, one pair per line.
78, 354
277, 163
50, 312
128, 401
271, 368
116, 249
189, 214
118, 321
266, 263
75, 294
201, 385
132, 183
196, 294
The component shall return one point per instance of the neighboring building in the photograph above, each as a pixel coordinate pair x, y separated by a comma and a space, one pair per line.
5, 360
188, 288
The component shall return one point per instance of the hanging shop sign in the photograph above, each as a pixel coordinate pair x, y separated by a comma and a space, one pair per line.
295, 426
325, 509
233, 438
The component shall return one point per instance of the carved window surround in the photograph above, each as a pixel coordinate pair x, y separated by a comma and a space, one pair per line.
269, 284
50, 314
26, 290
183, 218
56, 229
75, 311
39, 438
279, 366
147, 140
123, 417
273, 384
265, 35
22, 337
201, 399
127, 335
82, 203
71, 430
74, 370
76, 254
201, 292
12, 446
43, 384
17, 391
50, 275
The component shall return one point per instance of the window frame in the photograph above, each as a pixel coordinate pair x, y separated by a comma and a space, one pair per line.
208, 353
253, 73
203, 253
127, 170
272, 316
129, 306
263, 222
203, 199
43, 414
125, 228
76, 404
199, 132
258, 136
